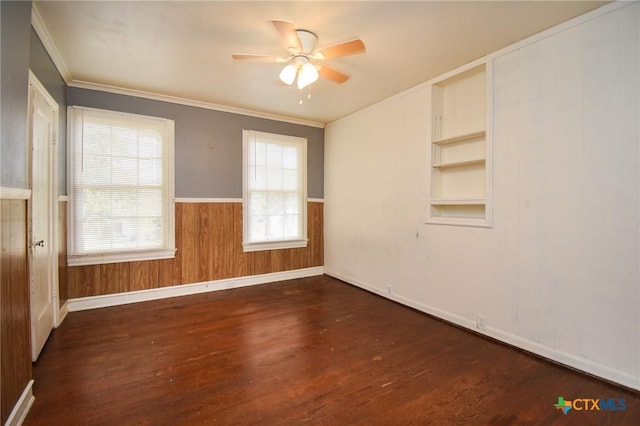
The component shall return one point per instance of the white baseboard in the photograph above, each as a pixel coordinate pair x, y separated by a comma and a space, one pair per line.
62, 313
569, 360
104, 301
21, 409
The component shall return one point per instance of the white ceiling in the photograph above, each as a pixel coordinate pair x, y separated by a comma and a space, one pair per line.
183, 49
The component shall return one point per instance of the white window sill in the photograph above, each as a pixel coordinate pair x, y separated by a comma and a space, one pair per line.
274, 245
132, 256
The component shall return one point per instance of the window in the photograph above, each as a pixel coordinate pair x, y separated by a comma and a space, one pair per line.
121, 187
274, 191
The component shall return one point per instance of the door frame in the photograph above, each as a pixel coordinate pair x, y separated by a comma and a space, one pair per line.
52, 202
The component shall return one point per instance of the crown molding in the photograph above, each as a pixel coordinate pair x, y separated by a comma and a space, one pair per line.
49, 45
189, 102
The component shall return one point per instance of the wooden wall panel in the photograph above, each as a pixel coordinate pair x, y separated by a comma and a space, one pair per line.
189, 235
85, 281
15, 361
139, 276
165, 272
261, 262
209, 247
177, 260
203, 242
154, 274
241, 259
110, 278
227, 240
217, 235
315, 219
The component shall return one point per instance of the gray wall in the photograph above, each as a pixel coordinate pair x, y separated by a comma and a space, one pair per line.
46, 71
208, 143
14, 89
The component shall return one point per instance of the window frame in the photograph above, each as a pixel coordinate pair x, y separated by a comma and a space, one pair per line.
250, 246
75, 258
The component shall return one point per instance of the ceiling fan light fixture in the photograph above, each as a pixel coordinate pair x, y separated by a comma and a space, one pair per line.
300, 62
307, 75
288, 74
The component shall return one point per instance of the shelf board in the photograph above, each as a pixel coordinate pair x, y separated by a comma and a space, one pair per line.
458, 163
458, 221
458, 202
460, 138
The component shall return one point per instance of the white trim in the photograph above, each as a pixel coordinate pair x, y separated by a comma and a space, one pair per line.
63, 198
579, 363
221, 200
75, 139
21, 409
61, 314
8, 193
37, 90
274, 245
118, 257
208, 200
49, 45
103, 301
189, 102
254, 243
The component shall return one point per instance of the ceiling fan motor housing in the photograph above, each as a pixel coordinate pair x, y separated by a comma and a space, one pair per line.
308, 40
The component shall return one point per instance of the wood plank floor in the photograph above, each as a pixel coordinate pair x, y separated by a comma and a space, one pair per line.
307, 351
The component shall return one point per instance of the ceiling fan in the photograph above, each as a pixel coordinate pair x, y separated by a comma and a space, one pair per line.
304, 60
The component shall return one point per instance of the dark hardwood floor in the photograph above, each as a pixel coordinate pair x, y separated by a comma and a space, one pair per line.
313, 350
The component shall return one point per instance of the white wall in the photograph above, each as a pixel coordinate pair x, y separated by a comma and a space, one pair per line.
558, 274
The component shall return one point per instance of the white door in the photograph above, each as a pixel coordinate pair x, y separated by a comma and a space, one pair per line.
43, 215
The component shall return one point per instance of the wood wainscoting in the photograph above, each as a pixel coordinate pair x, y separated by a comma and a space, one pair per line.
209, 247
15, 363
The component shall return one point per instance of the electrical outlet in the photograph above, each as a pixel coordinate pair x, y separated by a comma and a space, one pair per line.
389, 290
481, 322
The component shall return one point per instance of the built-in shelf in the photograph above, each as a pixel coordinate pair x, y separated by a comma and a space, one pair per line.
460, 138
458, 163
459, 150
459, 201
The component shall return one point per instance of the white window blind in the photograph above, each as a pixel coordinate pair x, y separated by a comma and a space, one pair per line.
274, 191
121, 187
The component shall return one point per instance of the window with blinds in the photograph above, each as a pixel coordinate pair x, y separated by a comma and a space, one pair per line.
120, 187
274, 191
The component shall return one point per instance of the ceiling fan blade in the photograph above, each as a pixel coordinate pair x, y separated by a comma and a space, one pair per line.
288, 34
351, 47
257, 58
332, 74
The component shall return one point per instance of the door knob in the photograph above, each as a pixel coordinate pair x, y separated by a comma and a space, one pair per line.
39, 243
